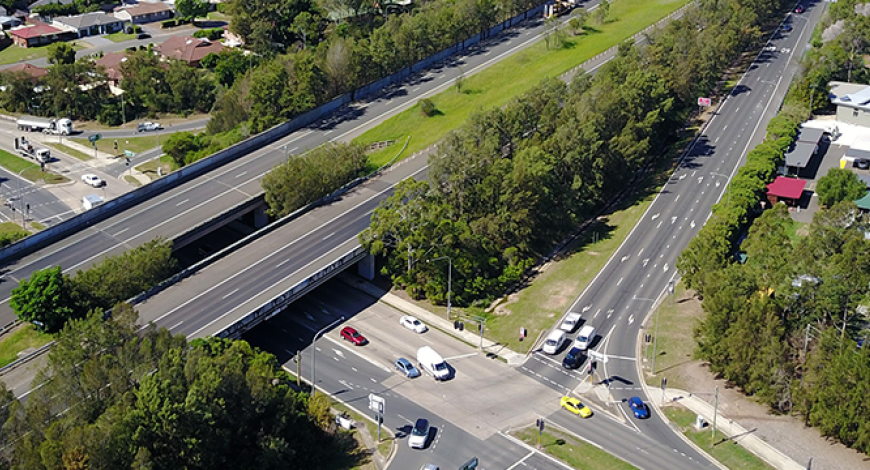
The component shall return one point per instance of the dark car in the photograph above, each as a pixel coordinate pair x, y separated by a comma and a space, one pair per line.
406, 368
862, 163
638, 407
353, 336
799, 9
787, 27
573, 359
143, 36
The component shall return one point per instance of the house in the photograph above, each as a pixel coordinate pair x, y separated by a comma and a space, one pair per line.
806, 145
89, 24
111, 64
144, 12
36, 35
852, 101
787, 190
33, 71
188, 49
9, 22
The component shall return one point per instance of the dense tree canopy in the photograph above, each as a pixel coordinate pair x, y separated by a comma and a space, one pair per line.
839, 185
46, 299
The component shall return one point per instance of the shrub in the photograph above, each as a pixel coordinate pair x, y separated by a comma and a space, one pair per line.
168, 24
428, 107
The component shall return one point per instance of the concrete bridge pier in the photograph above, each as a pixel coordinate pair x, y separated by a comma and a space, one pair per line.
366, 267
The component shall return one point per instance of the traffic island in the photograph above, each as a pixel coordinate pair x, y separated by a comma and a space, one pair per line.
570, 450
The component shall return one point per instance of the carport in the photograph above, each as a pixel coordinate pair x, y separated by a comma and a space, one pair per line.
805, 147
787, 190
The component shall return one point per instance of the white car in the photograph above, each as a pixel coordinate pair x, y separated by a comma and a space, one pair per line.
92, 180
148, 126
570, 323
554, 342
585, 337
413, 324
419, 434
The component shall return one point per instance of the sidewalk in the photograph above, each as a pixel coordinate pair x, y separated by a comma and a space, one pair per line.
747, 439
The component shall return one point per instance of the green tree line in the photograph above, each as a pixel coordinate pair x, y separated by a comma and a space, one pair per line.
115, 396
511, 181
49, 298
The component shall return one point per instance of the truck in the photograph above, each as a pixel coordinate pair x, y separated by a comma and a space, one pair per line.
27, 149
62, 126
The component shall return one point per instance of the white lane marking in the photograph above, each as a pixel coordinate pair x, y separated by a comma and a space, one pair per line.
645, 261
521, 461
639, 252
619, 282
655, 216
182, 202
630, 319
224, 297
241, 174
294, 149
623, 259
677, 198
282, 263
176, 325
120, 232
596, 313
331, 234
586, 309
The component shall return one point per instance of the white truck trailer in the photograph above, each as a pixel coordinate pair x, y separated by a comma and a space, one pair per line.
62, 126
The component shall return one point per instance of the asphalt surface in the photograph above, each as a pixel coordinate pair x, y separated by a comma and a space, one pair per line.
472, 412
190, 204
623, 293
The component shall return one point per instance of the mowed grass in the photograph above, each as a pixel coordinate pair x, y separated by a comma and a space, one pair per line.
24, 337
149, 168
120, 37
9, 227
676, 317
135, 144
497, 85
574, 452
727, 452
28, 169
13, 53
70, 151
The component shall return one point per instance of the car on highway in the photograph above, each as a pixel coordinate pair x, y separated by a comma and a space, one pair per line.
570, 323
574, 406
419, 435
554, 342
353, 336
413, 324
585, 337
429, 466
406, 368
573, 359
148, 126
787, 27
638, 407
92, 180
799, 9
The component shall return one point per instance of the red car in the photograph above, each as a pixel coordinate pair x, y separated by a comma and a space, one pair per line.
353, 336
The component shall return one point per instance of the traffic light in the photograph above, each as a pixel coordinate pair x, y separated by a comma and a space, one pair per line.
127, 161
116, 145
28, 207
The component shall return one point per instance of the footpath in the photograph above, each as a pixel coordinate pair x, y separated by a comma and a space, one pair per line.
672, 397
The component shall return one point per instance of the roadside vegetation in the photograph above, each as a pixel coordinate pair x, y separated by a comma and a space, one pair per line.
28, 169
572, 451
24, 337
719, 446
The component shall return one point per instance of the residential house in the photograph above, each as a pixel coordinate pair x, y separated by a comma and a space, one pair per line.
852, 101
9, 22
188, 49
144, 12
111, 64
37, 35
89, 24
33, 71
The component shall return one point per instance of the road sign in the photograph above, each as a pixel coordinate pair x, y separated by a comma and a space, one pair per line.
704, 101
129, 153
95, 137
376, 403
598, 356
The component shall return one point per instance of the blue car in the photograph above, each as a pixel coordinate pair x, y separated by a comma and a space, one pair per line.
406, 368
639, 408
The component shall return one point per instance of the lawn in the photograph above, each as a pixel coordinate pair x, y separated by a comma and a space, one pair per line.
24, 337
136, 144
13, 53
9, 227
70, 151
572, 451
728, 452
513, 76
150, 167
120, 37
28, 169
676, 318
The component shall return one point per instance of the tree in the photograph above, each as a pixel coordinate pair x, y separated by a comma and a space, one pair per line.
179, 144
46, 299
191, 8
61, 53
305, 25
839, 185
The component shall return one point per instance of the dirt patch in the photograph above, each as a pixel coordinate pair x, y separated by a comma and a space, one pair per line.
786, 433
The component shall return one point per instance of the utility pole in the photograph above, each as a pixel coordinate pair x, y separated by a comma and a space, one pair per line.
715, 415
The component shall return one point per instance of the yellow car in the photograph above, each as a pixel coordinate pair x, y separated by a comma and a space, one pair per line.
574, 406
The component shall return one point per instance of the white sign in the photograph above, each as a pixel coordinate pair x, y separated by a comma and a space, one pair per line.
376, 403
598, 356
704, 101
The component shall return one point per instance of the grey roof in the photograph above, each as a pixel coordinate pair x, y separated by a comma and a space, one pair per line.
88, 20
857, 153
800, 154
809, 134
40, 3
6, 19
852, 95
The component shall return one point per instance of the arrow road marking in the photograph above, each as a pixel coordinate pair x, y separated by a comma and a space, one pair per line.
586, 309
655, 216
338, 353
630, 319
645, 261
624, 258
666, 267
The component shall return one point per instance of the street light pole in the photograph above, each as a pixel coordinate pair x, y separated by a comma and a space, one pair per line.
313, 350
449, 279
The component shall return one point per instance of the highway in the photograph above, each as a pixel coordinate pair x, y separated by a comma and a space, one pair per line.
472, 412
194, 202
623, 293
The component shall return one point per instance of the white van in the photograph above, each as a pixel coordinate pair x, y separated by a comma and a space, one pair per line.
585, 337
554, 342
433, 363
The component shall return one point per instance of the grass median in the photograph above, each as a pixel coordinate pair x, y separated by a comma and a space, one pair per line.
514, 75
134, 144
726, 451
25, 336
572, 451
27, 169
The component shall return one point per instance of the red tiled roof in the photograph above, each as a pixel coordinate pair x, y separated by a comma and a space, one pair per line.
111, 62
144, 8
789, 188
188, 49
35, 31
32, 70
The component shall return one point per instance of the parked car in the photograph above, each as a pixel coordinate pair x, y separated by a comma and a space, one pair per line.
570, 323
406, 368
554, 342
92, 180
353, 336
799, 9
574, 406
419, 435
573, 359
638, 407
148, 126
413, 324
143, 36
862, 163
429, 466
